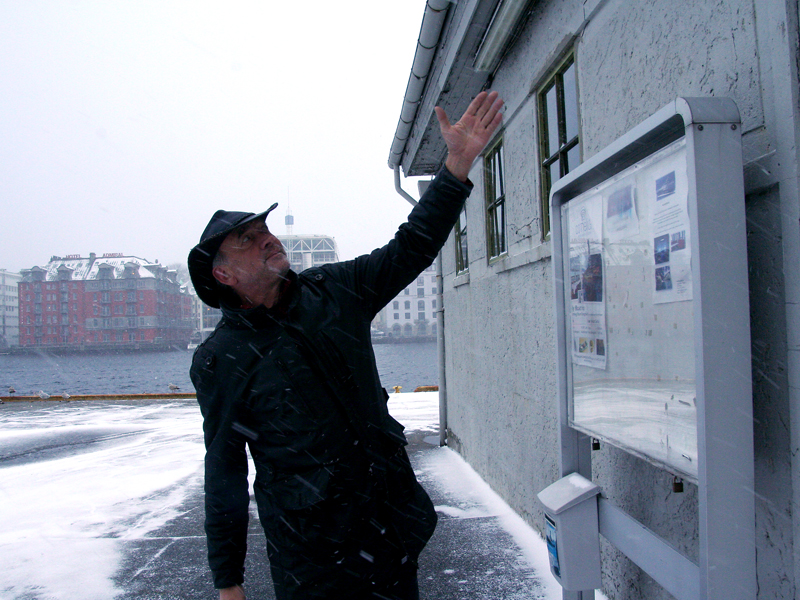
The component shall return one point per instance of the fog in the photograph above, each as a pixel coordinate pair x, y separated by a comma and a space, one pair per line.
126, 125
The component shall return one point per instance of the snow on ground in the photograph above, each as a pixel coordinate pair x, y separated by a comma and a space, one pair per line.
61, 518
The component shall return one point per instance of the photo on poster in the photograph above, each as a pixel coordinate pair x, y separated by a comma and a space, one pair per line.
586, 277
665, 186
621, 218
592, 279
661, 249
575, 278
663, 279
678, 241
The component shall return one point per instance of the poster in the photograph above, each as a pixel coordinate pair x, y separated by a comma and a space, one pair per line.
586, 271
672, 268
622, 222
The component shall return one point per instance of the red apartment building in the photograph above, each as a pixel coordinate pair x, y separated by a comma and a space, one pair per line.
111, 301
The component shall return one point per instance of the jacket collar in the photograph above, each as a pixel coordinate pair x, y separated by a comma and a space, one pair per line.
260, 317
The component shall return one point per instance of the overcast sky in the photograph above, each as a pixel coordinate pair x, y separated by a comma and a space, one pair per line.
125, 124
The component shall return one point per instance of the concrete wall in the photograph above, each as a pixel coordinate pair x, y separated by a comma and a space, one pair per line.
633, 58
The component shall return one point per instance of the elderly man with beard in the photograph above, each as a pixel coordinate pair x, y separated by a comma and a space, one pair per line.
290, 374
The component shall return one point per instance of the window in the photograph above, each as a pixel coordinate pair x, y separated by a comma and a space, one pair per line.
558, 131
420, 292
396, 316
421, 305
495, 201
462, 258
395, 305
408, 316
407, 305
421, 316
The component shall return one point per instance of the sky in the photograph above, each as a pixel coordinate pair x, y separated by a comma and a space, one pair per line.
125, 125
100, 497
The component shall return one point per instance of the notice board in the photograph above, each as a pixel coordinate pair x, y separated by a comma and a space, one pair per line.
630, 318
653, 338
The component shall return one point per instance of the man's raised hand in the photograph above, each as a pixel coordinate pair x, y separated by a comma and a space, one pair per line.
466, 139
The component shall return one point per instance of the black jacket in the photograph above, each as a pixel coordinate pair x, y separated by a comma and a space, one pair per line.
298, 385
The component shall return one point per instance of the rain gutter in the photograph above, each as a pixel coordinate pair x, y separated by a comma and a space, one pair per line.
430, 31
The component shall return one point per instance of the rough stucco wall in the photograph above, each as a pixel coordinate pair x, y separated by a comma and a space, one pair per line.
662, 50
501, 416
632, 58
773, 465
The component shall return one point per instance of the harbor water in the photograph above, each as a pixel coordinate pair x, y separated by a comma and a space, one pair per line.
406, 365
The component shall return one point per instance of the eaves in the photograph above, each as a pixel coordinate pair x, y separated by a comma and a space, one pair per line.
451, 83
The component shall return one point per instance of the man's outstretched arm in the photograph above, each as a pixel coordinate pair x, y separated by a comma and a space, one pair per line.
468, 137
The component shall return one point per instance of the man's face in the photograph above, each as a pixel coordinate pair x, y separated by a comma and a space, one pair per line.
254, 262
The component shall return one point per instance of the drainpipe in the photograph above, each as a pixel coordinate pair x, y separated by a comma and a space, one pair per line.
430, 31
440, 351
439, 323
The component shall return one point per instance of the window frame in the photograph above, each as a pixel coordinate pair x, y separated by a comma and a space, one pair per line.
462, 247
546, 160
494, 203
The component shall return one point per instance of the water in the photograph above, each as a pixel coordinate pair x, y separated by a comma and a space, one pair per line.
407, 365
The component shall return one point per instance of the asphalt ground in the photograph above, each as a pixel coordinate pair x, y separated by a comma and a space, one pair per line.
470, 558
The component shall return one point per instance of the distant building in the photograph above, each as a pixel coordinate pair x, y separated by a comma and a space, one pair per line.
9, 309
114, 300
413, 312
306, 251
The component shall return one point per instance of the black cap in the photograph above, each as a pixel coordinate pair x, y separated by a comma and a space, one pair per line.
201, 258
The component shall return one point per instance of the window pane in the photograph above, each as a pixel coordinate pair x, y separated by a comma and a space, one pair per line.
570, 103
500, 224
498, 179
573, 158
555, 173
461, 241
462, 255
551, 108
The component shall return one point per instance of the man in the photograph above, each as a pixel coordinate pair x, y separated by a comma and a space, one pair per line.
289, 372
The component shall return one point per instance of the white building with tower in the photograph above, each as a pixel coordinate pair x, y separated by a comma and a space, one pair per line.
306, 251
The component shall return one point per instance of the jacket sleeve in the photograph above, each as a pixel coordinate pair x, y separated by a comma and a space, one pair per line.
227, 495
378, 277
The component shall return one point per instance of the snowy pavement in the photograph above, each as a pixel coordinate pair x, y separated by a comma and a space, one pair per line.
102, 501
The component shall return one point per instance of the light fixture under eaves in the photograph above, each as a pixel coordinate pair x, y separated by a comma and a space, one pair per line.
502, 26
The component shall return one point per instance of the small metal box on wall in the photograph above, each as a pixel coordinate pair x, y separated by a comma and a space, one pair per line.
652, 309
573, 542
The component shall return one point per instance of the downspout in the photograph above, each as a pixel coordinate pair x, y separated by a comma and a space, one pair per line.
430, 31
439, 323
